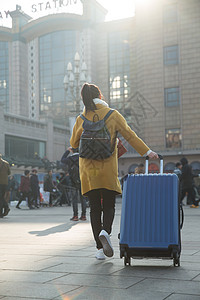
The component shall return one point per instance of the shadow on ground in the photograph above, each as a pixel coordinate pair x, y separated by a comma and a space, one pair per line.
52, 230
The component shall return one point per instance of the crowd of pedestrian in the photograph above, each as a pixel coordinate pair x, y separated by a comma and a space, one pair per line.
65, 190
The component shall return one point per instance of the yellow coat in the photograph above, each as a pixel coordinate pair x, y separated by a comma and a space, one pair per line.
104, 174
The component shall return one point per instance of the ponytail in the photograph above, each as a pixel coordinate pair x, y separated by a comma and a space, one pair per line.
88, 93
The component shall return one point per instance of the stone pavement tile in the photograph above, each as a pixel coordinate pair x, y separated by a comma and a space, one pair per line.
64, 251
158, 272
72, 253
189, 251
197, 278
172, 286
95, 267
22, 257
25, 265
183, 297
191, 265
34, 290
190, 258
187, 242
28, 276
97, 280
47, 250
79, 260
91, 293
83, 260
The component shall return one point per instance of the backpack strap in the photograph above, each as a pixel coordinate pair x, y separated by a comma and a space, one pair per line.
105, 118
108, 114
83, 118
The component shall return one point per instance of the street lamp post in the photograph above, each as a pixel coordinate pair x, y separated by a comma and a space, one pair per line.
74, 79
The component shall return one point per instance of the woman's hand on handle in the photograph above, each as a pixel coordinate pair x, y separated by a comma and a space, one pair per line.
153, 155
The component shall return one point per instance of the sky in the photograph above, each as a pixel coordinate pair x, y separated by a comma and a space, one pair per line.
117, 9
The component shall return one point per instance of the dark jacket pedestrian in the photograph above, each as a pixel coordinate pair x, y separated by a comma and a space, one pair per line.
49, 186
177, 170
187, 182
63, 185
4, 173
71, 160
11, 183
10, 188
35, 189
48, 182
25, 189
25, 186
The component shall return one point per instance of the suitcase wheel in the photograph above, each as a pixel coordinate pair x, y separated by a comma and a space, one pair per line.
127, 259
177, 262
176, 259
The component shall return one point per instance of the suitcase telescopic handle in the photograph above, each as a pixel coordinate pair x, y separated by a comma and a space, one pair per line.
147, 164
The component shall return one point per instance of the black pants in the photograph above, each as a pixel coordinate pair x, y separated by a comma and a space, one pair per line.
23, 196
191, 195
101, 201
3, 203
34, 195
76, 193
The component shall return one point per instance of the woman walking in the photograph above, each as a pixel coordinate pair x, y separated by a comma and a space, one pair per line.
99, 178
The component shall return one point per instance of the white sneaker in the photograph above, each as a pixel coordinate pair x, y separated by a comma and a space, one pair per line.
106, 243
100, 255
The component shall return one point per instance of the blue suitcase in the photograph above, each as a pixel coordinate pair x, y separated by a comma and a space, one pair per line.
150, 217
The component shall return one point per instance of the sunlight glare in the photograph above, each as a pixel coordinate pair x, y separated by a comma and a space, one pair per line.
143, 2
123, 9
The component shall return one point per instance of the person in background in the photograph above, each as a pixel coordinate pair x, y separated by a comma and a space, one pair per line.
139, 169
25, 189
35, 188
62, 188
49, 186
4, 173
99, 179
187, 183
68, 188
10, 188
57, 180
72, 163
177, 170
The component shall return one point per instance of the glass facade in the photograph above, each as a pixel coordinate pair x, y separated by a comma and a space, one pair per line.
4, 75
172, 97
171, 55
119, 69
56, 50
17, 147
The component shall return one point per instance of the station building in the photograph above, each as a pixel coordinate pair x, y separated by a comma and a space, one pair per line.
147, 67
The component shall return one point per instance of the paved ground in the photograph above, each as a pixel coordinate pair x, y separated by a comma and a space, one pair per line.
43, 255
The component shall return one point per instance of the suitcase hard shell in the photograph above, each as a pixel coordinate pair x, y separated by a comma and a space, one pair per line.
150, 217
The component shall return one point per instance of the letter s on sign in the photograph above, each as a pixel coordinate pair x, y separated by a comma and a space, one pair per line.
34, 9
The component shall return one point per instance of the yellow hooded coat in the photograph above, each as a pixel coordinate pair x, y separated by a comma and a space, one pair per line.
104, 174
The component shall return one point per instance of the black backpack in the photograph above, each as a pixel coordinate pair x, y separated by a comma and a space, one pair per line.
95, 141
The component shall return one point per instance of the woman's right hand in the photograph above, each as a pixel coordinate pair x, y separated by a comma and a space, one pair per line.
153, 155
